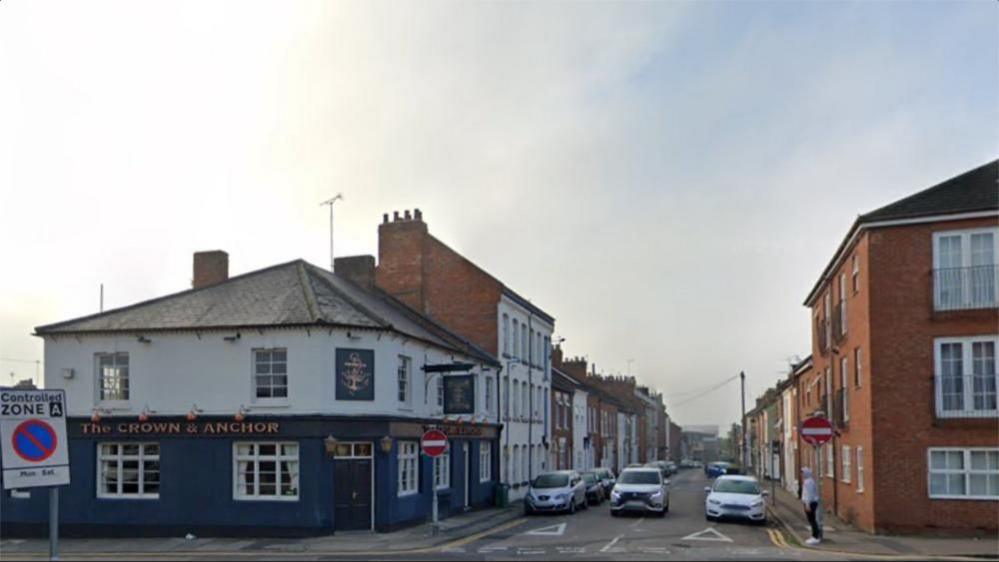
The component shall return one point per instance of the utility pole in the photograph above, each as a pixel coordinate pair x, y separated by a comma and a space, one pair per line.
330, 202
745, 445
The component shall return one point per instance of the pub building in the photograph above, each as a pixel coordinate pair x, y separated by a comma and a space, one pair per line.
288, 401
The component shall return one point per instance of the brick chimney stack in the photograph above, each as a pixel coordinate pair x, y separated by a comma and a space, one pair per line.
359, 270
402, 256
210, 267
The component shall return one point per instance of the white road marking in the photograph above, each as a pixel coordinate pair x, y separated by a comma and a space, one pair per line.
493, 548
653, 549
571, 549
610, 545
529, 551
550, 531
637, 523
455, 550
709, 534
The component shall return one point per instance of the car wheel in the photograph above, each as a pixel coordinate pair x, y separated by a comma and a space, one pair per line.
614, 513
708, 517
572, 506
666, 507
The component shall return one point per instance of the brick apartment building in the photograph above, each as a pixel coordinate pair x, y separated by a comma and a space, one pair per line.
562, 446
905, 331
433, 279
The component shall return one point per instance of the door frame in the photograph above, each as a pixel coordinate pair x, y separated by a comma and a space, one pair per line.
353, 456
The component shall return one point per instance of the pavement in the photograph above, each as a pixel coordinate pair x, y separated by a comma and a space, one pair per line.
840, 537
502, 534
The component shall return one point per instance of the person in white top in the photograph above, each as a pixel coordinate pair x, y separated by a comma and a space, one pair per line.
810, 497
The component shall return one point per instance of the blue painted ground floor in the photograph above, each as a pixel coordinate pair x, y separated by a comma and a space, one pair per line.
275, 476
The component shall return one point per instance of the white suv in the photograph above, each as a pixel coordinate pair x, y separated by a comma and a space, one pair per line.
640, 489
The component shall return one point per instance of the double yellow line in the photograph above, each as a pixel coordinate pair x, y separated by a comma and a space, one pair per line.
777, 538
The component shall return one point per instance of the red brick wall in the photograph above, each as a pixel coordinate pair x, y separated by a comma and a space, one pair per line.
903, 328
432, 278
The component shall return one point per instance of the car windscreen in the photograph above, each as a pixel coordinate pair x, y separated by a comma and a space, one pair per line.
590, 478
551, 481
737, 487
639, 477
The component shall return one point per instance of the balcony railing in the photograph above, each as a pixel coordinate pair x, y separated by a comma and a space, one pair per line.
966, 288
970, 396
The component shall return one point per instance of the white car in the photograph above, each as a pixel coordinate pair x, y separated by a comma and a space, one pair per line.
738, 497
640, 489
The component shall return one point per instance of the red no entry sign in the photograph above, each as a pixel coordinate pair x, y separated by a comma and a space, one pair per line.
434, 443
816, 430
34, 440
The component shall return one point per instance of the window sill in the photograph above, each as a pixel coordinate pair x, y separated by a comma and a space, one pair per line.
966, 498
270, 405
407, 494
130, 498
282, 499
115, 405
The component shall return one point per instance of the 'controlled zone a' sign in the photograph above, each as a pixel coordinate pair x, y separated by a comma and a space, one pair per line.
33, 438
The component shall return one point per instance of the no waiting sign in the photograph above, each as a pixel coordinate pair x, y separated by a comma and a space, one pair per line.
33, 438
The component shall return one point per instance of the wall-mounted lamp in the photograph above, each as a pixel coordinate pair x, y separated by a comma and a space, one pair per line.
146, 412
386, 444
330, 444
352, 336
67, 373
240, 414
143, 339
95, 416
193, 413
232, 339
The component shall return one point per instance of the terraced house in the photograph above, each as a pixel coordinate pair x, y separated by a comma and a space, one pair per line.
285, 401
904, 361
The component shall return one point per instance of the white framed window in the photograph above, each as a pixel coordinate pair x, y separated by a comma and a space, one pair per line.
844, 379
525, 459
485, 461
856, 273
532, 354
516, 339
270, 375
440, 393
860, 469
408, 456
830, 462
842, 303
827, 303
112, 379
487, 394
966, 378
516, 399
857, 368
829, 393
515, 468
442, 469
506, 396
128, 470
525, 403
964, 268
506, 334
847, 458
964, 473
265, 470
524, 348
404, 378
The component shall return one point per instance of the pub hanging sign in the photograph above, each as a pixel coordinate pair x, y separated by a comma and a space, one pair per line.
459, 394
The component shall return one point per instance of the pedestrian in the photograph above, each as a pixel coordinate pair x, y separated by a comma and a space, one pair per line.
810, 497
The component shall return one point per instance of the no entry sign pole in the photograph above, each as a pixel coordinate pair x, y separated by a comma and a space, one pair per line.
54, 523
434, 443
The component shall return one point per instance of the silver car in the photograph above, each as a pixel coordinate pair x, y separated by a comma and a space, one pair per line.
561, 491
640, 489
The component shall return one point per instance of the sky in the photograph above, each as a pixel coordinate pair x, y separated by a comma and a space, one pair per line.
667, 179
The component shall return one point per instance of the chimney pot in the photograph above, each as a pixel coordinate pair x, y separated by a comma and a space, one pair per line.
408, 217
418, 215
395, 216
210, 267
384, 218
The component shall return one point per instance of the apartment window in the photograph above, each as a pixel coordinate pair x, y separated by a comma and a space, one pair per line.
113, 378
857, 379
516, 399
409, 468
830, 463
515, 470
488, 394
532, 349
485, 461
506, 396
403, 375
966, 381
506, 334
525, 401
442, 469
265, 471
964, 473
128, 470
844, 379
860, 469
829, 392
516, 338
540, 352
525, 459
856, 273
270, 374
827, 303
965, 269
525, 348
846, 463
842, 303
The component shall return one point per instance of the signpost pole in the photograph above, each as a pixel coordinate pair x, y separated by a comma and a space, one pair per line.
819, 516
54, 523
436, 528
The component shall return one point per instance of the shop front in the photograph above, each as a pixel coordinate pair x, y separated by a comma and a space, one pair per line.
258, 476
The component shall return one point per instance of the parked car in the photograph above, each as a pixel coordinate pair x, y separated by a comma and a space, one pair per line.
595, 493
735, 497
672, 467
716, 469
661, 467
607, 479
559, 491
642, 490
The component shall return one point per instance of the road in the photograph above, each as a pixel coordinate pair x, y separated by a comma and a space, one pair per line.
595, 535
